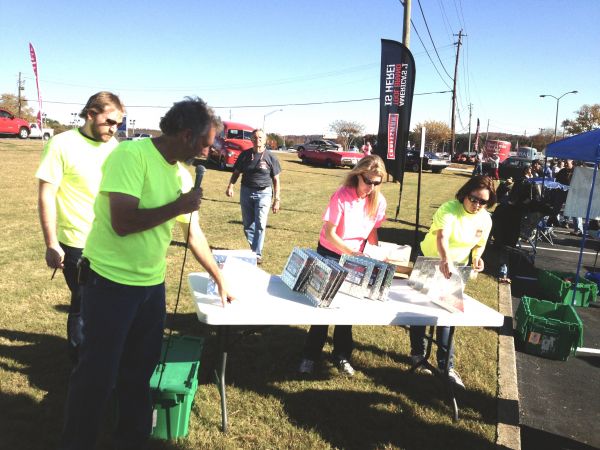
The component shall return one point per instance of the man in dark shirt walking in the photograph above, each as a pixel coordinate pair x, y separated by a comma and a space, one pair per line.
261, 189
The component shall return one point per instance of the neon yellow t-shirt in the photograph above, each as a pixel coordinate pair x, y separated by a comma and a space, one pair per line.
138, 169
73, 163
465, 231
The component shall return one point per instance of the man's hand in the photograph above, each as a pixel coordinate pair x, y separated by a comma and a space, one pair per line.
190, 201
276, 206
229, 191
55, 257
224, 293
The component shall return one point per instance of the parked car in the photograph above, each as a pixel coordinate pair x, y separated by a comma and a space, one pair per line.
233, 140
330, 154
36, 133
430, 162
320, 144
138, 136
9, 124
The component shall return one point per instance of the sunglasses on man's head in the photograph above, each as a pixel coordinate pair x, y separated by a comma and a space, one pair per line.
370, 182
477, 200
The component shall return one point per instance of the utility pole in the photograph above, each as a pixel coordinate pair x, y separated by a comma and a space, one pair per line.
487, 130
453, 125
406, 42
19, 89
406, 29
470, 112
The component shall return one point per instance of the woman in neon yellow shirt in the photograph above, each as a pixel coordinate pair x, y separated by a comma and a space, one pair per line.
459, 230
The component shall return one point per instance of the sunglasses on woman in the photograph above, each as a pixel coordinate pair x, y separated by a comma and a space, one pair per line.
477, 200
370, 182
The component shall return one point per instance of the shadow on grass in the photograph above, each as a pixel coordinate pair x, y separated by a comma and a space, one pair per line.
41, 360
349, 418
29, 423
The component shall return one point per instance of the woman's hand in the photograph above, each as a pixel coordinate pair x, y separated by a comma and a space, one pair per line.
445, 268
478, 264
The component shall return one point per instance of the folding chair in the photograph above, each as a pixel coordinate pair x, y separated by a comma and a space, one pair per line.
545, 231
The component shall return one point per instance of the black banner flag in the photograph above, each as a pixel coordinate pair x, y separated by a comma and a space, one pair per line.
395, 105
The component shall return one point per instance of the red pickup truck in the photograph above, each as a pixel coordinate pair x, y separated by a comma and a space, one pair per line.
233, 140
327, 153
9, 124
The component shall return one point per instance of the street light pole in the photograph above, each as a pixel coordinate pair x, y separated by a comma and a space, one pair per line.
132, 124
557, 102
268, 114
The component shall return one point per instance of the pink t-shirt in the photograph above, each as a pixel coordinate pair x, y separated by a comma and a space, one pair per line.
347, 211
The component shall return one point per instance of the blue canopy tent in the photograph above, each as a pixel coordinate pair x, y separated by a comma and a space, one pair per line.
581, 147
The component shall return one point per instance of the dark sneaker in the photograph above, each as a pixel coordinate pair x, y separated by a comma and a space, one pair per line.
417, 362
307, 366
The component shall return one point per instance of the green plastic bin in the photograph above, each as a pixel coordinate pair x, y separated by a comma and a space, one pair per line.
173, 385
548, 329
557, 288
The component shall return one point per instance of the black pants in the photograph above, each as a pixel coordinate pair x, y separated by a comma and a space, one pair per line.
342, 341
74, 321
121, 347
317, 335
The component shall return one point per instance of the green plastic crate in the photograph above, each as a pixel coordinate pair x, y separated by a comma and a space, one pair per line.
178, 378
557, 289
548, 329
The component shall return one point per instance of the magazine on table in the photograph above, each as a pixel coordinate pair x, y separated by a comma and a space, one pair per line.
448, 293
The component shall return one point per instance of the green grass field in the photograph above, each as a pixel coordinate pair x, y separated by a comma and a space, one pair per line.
382, 407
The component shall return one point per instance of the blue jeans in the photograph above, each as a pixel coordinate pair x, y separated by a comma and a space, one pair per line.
255, 210
418, 343
478, 169
122, 335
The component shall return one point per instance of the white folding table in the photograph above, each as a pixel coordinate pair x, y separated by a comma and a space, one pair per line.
264, 300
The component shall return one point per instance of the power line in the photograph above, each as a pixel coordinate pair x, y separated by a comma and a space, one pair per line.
430, 59
426, 51
431, 38
257, 106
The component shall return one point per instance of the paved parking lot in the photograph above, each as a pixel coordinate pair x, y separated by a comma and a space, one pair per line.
560, 400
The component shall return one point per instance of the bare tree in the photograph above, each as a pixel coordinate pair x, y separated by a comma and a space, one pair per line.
346, 130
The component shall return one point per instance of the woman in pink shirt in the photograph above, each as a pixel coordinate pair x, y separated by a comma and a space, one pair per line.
352, 217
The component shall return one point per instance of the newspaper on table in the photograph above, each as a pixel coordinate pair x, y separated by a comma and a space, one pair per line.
448, 293
222, 257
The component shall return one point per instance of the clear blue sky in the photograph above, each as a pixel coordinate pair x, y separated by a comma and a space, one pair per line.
267, 52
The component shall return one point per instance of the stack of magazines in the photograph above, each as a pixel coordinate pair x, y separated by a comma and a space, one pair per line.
320, 277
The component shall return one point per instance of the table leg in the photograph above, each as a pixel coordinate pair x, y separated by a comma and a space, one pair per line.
223, 340
449, 382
